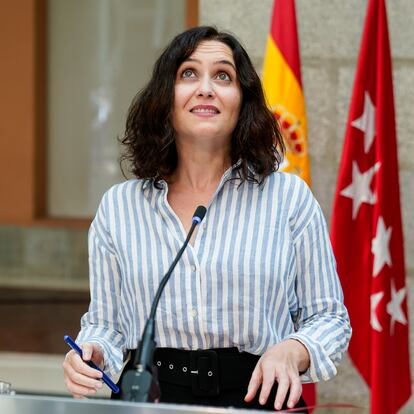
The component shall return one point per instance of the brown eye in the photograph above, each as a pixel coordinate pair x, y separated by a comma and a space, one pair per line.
188, 73
223, 76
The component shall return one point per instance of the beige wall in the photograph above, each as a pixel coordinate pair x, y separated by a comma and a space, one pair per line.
330, 35
100, 53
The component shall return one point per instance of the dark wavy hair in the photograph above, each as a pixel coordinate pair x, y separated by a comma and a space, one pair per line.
149, 140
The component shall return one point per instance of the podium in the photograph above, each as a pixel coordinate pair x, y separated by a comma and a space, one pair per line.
39, 404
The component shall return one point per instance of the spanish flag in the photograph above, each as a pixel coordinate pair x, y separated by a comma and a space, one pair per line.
283, 87
282, 84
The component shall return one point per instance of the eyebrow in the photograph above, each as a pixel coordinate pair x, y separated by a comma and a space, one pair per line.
217, 62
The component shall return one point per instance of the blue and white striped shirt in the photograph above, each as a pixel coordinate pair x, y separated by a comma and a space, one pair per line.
260, 270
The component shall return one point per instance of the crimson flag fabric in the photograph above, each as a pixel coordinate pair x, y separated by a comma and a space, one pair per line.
366, 225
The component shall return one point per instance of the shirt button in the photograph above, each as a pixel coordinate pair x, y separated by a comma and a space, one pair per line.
193, 313
193, 268
204, 226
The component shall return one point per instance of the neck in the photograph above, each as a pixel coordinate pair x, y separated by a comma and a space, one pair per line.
199, 171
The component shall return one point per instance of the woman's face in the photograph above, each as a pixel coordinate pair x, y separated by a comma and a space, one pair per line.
207, 96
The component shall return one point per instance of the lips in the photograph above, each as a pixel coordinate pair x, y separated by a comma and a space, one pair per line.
205, 109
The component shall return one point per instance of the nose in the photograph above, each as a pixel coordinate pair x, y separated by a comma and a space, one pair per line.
205, 87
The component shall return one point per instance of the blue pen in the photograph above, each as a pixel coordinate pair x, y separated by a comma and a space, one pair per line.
105, 377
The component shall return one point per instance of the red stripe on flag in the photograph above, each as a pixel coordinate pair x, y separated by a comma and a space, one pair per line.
284, 33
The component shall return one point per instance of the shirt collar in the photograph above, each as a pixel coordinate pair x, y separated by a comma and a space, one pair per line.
149, 182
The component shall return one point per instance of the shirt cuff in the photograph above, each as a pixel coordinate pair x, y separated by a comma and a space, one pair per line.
321, 366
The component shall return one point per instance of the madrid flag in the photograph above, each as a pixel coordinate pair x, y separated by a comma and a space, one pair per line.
366, 225
282, 84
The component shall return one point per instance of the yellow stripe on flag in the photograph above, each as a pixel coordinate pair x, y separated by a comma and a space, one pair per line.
285, 98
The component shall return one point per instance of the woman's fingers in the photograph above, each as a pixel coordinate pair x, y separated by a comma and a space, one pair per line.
76, 389
295, 391
282, 390
91, 351
76, 362
81, 379
79, 397
87, 351
279, 363
269, 376
254, 384
265, 376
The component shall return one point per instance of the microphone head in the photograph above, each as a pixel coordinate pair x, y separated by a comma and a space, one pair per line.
199, 214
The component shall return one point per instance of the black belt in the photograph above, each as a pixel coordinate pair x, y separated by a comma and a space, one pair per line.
205, 371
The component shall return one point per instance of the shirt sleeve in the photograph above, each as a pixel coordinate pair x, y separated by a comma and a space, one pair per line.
101, 324
322, 320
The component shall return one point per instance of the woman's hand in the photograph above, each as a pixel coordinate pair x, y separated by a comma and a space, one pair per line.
281, 362
82, 380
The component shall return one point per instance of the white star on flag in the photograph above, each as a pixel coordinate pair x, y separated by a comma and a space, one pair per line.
359, 190
380, 247
375, 299
366, 122
394, 307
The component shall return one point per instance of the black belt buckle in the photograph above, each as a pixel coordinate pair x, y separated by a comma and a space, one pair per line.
204, 373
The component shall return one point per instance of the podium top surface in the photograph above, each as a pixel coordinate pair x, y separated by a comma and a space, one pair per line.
29, 404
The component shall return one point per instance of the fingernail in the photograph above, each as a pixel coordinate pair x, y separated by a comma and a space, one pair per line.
98, 385
262, 401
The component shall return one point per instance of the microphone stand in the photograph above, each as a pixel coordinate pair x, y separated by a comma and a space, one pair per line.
140, 383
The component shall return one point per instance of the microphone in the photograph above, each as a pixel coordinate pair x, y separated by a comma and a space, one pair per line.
139, 383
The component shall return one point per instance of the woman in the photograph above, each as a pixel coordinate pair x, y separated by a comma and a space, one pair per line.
257, 284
